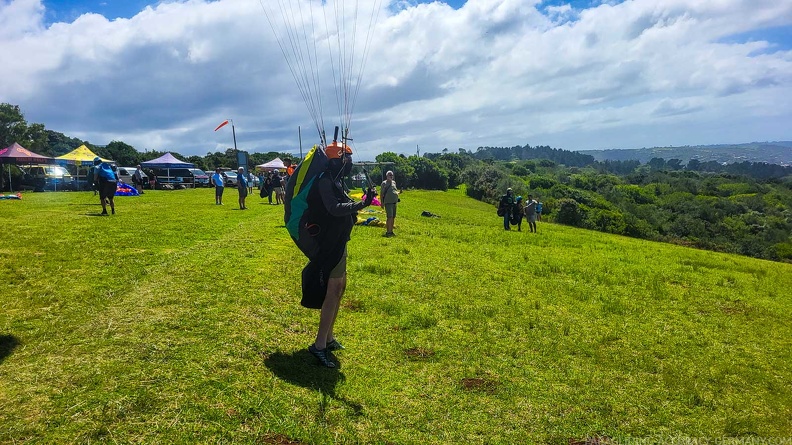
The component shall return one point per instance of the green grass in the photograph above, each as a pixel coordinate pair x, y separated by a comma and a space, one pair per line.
178, 321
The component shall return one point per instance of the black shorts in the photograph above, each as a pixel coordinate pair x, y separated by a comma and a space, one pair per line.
107, 188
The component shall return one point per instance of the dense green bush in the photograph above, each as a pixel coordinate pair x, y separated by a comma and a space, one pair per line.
606, 221
519, 170
482, 182
570, 212
542, 182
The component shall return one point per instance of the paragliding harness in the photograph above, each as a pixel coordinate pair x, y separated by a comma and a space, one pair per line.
504, 205
300, 218
516, 215
320, 236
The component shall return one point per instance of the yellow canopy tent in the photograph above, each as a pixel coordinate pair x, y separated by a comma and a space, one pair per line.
80, 156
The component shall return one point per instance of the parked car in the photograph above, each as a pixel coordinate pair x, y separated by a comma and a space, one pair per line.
230, 179
46, 177
200, 177
125, 174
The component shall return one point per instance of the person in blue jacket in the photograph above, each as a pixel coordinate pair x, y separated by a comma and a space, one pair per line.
106, 180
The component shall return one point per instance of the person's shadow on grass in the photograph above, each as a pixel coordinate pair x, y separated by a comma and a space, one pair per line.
7, 344
300, 368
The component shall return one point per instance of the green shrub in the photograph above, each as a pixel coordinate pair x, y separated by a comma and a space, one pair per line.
570, 213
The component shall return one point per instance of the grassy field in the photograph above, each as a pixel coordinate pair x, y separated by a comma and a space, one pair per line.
178, 321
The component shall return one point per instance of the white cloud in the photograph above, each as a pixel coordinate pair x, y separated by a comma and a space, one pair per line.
638, 73
20, 17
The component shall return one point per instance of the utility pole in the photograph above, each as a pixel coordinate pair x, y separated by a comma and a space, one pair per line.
299, 135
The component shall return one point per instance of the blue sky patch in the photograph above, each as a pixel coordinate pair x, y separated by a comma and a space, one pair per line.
779, 38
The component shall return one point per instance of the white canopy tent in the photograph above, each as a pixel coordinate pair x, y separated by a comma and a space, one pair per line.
272, 165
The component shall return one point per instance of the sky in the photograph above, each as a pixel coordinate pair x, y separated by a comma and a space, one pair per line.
422, 76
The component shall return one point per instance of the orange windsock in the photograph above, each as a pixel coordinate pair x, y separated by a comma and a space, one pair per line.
222, 124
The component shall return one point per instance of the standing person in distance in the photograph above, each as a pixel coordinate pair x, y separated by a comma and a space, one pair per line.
530, 213
219, 184
389, 196
337, 213
242, 187
277, 187
107, 182
152, 180
506, 206
268, 187
137, 179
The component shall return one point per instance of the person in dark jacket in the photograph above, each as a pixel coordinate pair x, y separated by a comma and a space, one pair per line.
506, 205
335, 214
268, 187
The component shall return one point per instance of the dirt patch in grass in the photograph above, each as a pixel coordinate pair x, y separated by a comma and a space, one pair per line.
419, 353
737, 307
481, 384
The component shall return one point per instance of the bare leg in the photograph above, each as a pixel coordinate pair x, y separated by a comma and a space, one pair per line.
335, 290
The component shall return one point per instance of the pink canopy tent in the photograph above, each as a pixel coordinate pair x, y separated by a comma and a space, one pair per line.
17, 154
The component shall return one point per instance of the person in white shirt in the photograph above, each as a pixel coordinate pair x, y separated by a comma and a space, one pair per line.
530, 213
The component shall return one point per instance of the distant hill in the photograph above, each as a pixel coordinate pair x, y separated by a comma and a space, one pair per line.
779, 152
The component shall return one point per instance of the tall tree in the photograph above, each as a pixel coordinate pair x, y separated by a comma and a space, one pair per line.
37, 139
13, 127
60, 144
123, 154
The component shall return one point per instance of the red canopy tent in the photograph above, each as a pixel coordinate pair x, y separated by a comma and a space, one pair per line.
17, 154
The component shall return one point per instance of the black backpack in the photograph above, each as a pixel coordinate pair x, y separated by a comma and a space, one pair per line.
503, 205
